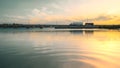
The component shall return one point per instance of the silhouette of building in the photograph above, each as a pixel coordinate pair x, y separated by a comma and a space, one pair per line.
89, 24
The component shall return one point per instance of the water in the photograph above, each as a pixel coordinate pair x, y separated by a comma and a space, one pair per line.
61, 49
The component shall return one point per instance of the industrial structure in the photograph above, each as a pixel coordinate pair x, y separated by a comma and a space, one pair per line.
76, 24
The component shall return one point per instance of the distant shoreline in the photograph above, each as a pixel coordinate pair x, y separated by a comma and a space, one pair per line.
28, 26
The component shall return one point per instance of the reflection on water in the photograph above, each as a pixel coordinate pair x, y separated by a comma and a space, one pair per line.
82, 32
67, 49
76, 31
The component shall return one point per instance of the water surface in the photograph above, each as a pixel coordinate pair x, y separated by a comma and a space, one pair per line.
61, 49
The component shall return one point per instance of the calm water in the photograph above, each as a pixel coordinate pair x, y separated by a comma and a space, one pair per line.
67, 49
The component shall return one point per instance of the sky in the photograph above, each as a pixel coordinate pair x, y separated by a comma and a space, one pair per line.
59, 11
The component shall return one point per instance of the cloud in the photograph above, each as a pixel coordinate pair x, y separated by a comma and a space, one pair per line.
38, 15
103, 18
14, 19
37, 12
66, 11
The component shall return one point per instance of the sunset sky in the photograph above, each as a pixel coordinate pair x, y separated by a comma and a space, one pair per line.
59, 11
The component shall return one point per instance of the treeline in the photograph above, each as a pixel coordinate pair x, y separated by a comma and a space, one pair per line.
19, 26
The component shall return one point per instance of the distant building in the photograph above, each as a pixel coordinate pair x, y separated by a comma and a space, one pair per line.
76, 24
89, 24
